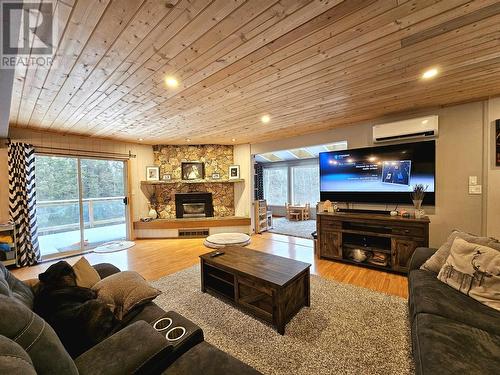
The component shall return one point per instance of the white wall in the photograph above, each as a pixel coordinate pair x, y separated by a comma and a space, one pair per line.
493, 172
243, 190
459, 154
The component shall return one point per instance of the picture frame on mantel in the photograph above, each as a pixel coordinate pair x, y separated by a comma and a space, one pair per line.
234, 172
152, 173
497, 142
193, 170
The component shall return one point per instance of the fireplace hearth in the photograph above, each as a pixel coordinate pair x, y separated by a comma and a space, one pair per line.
195, 204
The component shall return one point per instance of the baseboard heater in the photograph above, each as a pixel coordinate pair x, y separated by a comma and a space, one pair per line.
193, 233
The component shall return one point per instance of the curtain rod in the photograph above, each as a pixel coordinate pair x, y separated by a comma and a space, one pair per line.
75, 151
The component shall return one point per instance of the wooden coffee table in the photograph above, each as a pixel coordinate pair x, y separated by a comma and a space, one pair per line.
271, 287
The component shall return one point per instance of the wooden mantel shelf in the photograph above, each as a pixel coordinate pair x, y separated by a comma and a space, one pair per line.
200, 222
206, 181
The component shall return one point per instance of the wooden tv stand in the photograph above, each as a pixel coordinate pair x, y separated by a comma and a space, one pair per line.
393, 237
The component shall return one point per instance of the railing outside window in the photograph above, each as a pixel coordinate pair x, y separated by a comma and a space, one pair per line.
63, 215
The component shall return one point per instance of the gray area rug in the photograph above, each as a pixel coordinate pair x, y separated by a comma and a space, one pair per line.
347, 329
303, 229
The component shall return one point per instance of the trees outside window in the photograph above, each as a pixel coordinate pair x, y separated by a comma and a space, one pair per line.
79, 202
276, 185
305, 184
296, 183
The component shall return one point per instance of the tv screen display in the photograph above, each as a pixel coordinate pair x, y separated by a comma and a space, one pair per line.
385, 174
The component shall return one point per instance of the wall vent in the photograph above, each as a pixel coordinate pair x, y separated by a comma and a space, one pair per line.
193, 233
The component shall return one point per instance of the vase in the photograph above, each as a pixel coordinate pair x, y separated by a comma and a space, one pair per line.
419, 213
152, 213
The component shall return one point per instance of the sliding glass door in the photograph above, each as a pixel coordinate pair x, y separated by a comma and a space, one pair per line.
80, 203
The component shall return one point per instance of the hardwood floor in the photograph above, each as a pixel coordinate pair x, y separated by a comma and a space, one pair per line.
156, 258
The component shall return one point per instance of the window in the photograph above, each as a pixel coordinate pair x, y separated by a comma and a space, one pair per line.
80, 203
305, 184
276, 185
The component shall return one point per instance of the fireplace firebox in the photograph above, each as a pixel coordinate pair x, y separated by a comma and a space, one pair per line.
195, 204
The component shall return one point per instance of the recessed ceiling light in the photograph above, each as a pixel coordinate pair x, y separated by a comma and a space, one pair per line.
431, 73
265, 119
233, 140
425, 122
140, 139
171, 82
188, 139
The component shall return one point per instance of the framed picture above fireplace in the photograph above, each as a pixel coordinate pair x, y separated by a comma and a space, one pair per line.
193, 170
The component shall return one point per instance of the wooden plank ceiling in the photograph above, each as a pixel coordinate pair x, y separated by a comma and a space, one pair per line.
309, 65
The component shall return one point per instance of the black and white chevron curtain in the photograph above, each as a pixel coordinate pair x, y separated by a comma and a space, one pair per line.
259, 181
22, 202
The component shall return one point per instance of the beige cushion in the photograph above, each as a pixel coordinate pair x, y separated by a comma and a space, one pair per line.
473, 270
436, 262
86, 275
123, 291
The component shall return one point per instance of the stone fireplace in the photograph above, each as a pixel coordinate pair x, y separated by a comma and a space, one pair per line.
216, 159
193, 204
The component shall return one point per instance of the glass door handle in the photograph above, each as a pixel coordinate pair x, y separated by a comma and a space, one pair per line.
125, 201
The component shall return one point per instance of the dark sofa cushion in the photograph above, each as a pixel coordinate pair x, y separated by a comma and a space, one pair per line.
150, 313
12, 287
36, 337
13, 359
420, 256
206, 359
443, 346
105, 269
138, 348
429, 295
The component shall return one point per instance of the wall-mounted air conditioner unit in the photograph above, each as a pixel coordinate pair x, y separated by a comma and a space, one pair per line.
422, 127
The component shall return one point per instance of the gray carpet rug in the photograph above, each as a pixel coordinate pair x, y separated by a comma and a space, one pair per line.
347, 329
303, 229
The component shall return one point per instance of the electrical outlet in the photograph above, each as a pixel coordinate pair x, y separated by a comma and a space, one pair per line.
475, 189
472, 180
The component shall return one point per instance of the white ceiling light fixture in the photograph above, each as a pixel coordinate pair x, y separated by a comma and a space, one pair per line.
431, 73
188, 139
265, 119
171, 82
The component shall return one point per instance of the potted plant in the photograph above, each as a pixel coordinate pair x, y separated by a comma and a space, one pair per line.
417, 197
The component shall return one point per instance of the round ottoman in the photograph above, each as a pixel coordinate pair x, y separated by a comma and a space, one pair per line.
216, 241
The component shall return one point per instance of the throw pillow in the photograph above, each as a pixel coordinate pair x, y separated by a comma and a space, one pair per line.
436, 262
473, 270
86, 275
123, 291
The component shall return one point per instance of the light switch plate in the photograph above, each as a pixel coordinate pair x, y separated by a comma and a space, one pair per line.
472, 180
476, 189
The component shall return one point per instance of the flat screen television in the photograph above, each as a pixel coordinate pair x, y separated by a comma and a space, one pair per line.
384, 174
